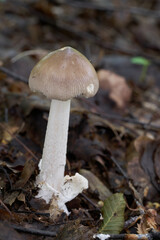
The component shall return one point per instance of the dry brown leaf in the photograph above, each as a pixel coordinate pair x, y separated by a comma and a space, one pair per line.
18, 87
147, 161
11, 197
136, 173
143, 165
141, 142
96, 184
21, 197
116, 85
28, 170
7, 137
148, 222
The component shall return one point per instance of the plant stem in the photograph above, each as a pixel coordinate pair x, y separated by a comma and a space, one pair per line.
143, 73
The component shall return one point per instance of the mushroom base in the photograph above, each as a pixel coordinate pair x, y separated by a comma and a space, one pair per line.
71, 187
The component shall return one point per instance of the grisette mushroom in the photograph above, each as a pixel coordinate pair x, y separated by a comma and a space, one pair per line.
60, 76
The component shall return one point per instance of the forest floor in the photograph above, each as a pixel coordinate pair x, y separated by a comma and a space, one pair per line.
113, 138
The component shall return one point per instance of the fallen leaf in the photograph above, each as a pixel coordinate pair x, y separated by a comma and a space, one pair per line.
7, 134
21, 197
148, 166
113, 214
140, 167
95, 184
148, 222
18, 87
136, 173
147, 150
141, 142
10, 197
27, 171
116, 85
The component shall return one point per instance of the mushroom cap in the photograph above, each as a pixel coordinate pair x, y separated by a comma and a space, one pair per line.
64, 74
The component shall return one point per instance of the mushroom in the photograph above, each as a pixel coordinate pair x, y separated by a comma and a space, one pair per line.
60, 76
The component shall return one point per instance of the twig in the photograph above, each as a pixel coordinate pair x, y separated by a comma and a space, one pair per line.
36, 213
143, 125
137, 197
37, 52
131, 221
136, 194
119, 167
2, 203
100, 113
12, 74
90, 201
20, 142
149, 236
34, 231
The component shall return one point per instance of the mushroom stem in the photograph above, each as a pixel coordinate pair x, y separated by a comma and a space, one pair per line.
53, 161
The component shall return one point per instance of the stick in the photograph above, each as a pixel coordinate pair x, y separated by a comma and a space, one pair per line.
149, 236
2, 203
119, 167
90, 201
12, 74
34, 231
100, 113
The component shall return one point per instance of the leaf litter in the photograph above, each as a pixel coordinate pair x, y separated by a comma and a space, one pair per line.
121, 122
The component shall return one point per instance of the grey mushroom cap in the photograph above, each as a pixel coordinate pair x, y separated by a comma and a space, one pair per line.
64, 74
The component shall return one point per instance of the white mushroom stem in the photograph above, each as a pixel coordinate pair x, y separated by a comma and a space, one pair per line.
53, 161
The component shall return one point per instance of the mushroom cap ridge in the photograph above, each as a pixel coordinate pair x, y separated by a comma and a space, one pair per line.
64, 74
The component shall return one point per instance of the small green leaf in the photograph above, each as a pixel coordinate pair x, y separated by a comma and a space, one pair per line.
113, 214
141, 61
